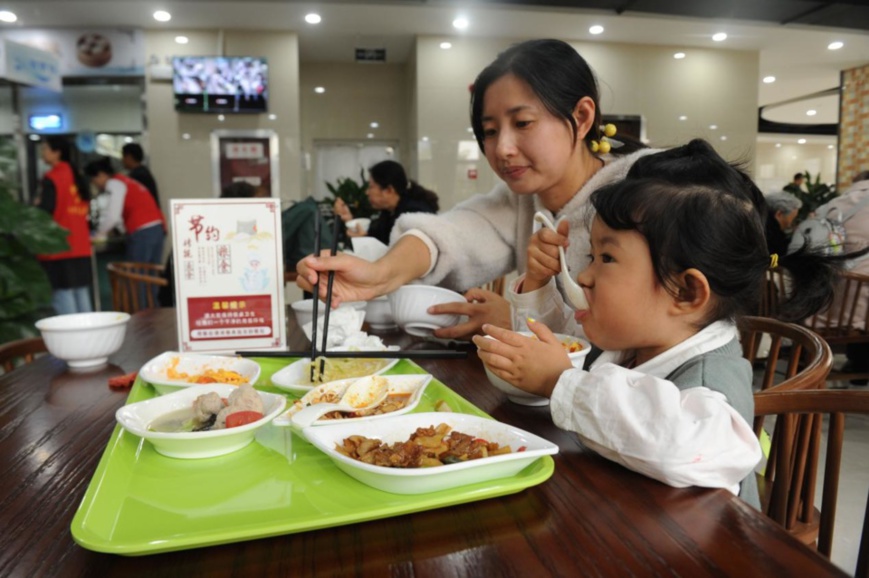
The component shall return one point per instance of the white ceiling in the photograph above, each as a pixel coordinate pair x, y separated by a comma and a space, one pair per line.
796, 55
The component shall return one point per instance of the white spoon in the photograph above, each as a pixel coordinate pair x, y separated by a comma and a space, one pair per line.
574, 293
362, 394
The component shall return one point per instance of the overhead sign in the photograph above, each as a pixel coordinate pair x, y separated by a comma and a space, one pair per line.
27, 65
370, 55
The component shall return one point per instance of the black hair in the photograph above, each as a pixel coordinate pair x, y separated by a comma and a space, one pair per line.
101, 165
557, 74
799, 176
62, 145
238, 190
391, 174
134, 151
697, 211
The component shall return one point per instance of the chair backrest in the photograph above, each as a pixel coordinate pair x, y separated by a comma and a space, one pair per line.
788, 405
847, 318
135, 285
774, 292
20, 351
787, 484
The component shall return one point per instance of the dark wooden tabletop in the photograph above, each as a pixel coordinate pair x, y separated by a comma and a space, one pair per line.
592, 518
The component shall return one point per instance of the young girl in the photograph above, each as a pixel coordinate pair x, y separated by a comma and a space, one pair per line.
672, 266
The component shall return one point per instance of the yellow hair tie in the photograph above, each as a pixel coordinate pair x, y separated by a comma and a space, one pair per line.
773, 261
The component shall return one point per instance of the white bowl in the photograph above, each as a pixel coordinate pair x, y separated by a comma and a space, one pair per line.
412, 385
84, 339
433, 479
136, 418
411, 302
156, 371
360, 223
304, 309
292, 378
522, 397
378, 314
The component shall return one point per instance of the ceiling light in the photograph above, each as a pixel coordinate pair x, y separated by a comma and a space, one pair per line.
596, 29
424, 139
162, 16
186, 136
811, 112
374, 124
34, 137
719, 36
713, 127
221, 118
830, 147
801, 141
778, 145
835, 45
313, 18
460, 23
182, 39
273, 117
370, 135
128, 139
7, 16
679, 55
319, 89
683, 117
446, 45
723, 137
768, 79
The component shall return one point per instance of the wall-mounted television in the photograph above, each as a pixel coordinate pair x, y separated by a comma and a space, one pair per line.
220, 84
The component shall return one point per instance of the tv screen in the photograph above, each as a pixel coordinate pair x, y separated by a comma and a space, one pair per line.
220, 84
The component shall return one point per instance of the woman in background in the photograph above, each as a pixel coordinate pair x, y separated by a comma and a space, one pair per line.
393, 194
65, 195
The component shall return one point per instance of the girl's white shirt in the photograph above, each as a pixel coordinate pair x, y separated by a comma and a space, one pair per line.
639, 419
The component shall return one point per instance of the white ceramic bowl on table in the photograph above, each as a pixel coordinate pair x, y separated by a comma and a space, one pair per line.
378, 314
162, 371
432, 479
410, 305
137, 417
84, 339
304, 309
521, 397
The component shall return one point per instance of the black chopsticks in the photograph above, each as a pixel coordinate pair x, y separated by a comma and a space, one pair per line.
316, 294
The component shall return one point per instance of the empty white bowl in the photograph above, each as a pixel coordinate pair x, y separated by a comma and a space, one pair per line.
304, 309
410, 305
378, 314
84, 339
522, 397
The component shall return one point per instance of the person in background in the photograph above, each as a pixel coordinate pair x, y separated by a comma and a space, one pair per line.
130, 205
796, 186
297, 226
65, 195
393, 194
536, 117
132, 157
782, 212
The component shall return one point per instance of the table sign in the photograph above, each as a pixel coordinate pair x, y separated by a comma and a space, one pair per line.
229, 283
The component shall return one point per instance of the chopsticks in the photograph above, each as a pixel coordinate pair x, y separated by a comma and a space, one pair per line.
402, 354
316, 294
333, 251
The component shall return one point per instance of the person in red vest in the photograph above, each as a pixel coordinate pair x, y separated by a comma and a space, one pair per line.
133, 206
65, 195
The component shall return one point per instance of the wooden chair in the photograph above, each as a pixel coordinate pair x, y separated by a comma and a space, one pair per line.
134, 285
774, 291
787, 484
789, 406
846, 321
19, 352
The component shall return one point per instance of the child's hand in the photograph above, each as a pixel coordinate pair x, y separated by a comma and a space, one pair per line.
543, 263
533, 365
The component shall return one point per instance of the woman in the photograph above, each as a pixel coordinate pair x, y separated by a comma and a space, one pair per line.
535, 115
64, 194
133, 206
393, 194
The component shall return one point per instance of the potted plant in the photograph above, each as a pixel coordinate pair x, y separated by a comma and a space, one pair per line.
25, 231
815, 195
353, 195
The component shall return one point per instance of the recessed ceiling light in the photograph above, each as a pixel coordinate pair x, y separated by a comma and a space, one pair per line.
596, 29
713, 127
370, 135
811, 112
34, 137
830, 147
835, 45
128, 139
683, 117
182, 39
446, 45
778, 145
7, 16
162, 16
801, 141
313, 18
460, 23
374, 124
319, 89
221, 118
719, 36
273, 117
679, 55
186, 136
768, 79
424, 139
723, 137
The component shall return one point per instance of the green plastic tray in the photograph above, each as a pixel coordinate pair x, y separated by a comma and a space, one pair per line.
140, 502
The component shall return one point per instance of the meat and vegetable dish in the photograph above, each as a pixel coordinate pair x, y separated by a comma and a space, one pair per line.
212, 412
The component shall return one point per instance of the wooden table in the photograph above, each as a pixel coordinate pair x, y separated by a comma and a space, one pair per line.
592, 518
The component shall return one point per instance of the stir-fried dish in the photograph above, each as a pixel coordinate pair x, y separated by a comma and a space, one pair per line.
212, 412
207, 375
427, 447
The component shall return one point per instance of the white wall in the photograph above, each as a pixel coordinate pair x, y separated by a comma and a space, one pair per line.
776, 166
7, 119
710, 87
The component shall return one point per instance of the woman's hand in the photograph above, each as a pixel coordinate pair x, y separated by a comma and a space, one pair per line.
543, 262
342, 210
533, 365
481, 307
355, 279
